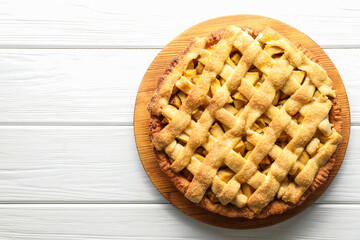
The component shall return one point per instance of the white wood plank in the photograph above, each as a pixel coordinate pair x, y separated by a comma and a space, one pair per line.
346, 61
113, 24
86, 86
53, 164
62, 86
101, 164
163, 221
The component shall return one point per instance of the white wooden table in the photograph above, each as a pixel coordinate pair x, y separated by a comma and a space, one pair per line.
69, 74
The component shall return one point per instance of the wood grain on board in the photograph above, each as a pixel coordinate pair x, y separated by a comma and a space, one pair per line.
148, 85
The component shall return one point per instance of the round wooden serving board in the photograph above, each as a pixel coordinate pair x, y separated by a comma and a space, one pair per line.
148, 86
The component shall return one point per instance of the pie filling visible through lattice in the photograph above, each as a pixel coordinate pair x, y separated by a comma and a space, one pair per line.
244, 123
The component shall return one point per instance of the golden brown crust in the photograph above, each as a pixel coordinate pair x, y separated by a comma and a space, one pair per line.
277, 206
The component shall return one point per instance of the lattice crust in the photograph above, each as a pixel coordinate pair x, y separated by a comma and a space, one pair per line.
245, 120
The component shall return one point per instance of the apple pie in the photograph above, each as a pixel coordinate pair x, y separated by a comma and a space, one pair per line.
245, 122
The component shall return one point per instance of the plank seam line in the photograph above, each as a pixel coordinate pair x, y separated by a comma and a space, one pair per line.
66, 124
85, 124
66, 47
137, 203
